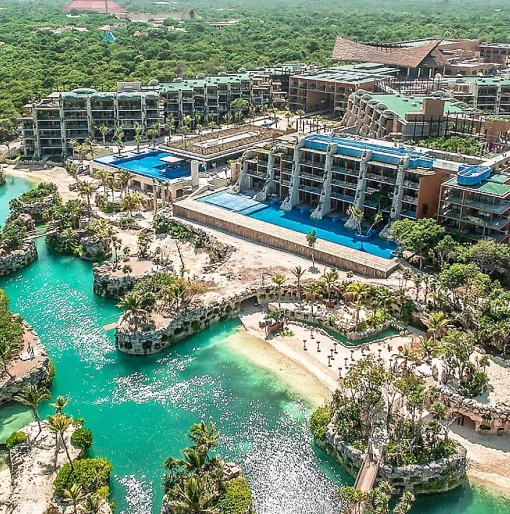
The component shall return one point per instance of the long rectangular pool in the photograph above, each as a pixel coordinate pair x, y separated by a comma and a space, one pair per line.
326, 228
149, 164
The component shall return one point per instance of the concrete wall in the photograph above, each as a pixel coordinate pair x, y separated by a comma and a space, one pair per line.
332, 254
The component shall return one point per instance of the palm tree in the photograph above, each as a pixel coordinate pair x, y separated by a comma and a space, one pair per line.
92, 504
60, 404
138, 135
58, 424
86, 189
112, 184
436, 323
104, 130
118, 137
32, 396
359, 290
124, 177
311, 238
74, 495
314, 292
278, 281
298, 272
329, 280
169, 124
196, 496
103, 175
133, 306
131, 201
204, 437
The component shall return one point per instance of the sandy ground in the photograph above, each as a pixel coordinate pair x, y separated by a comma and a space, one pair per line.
32, 485
23, 362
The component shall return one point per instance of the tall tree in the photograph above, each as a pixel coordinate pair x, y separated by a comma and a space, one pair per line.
33, 396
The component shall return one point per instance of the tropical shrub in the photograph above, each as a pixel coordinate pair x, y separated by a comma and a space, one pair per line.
82, 439
15, 438
235, 498
319, 421
90, 474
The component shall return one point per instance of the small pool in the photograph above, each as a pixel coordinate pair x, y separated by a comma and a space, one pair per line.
300, 222
149, 164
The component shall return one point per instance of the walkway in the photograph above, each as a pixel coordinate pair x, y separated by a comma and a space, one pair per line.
37, 236
367, 474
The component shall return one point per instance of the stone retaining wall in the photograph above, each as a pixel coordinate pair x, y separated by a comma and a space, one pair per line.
37, 210
189, 323
284, 239
14, 261
2, 177
115, 287
496, 419
439, 476
37, 374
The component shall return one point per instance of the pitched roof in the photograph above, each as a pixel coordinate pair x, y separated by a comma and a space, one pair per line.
94, 5
404, 57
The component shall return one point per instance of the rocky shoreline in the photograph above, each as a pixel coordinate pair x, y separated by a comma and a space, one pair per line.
26, 371
18, 259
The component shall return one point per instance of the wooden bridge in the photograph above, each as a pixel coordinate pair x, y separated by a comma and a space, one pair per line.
367, 474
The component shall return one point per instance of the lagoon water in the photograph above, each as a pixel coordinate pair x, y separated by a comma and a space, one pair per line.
140, 408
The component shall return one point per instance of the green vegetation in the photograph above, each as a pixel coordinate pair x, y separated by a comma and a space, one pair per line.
235, 498
12, 236
376, 501
163, 292
82, 439
196, 482
319, 421
367, 401
454, 144
11, 333
15, 438
90, 474
35, 195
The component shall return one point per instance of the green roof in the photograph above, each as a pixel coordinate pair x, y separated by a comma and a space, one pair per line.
402, 105
483, 81
190, 84
494, 186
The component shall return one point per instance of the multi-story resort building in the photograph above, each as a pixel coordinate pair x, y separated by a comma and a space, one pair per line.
329, 89
204, 95
51, 123
325, 175
398, 116
58, 119
476, 203
495, 52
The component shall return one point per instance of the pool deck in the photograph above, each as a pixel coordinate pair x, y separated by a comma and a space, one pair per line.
284, 239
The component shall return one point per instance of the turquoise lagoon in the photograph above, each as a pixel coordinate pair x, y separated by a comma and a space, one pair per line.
140, 408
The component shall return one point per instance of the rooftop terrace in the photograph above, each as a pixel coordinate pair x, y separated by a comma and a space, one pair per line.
380, 153
201, 82
402, 105
494, 185
350, 73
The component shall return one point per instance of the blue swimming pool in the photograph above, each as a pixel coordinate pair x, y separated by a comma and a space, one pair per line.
300, 222
149, 164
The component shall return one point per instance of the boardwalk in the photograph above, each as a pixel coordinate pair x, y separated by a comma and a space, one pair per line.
367, 474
